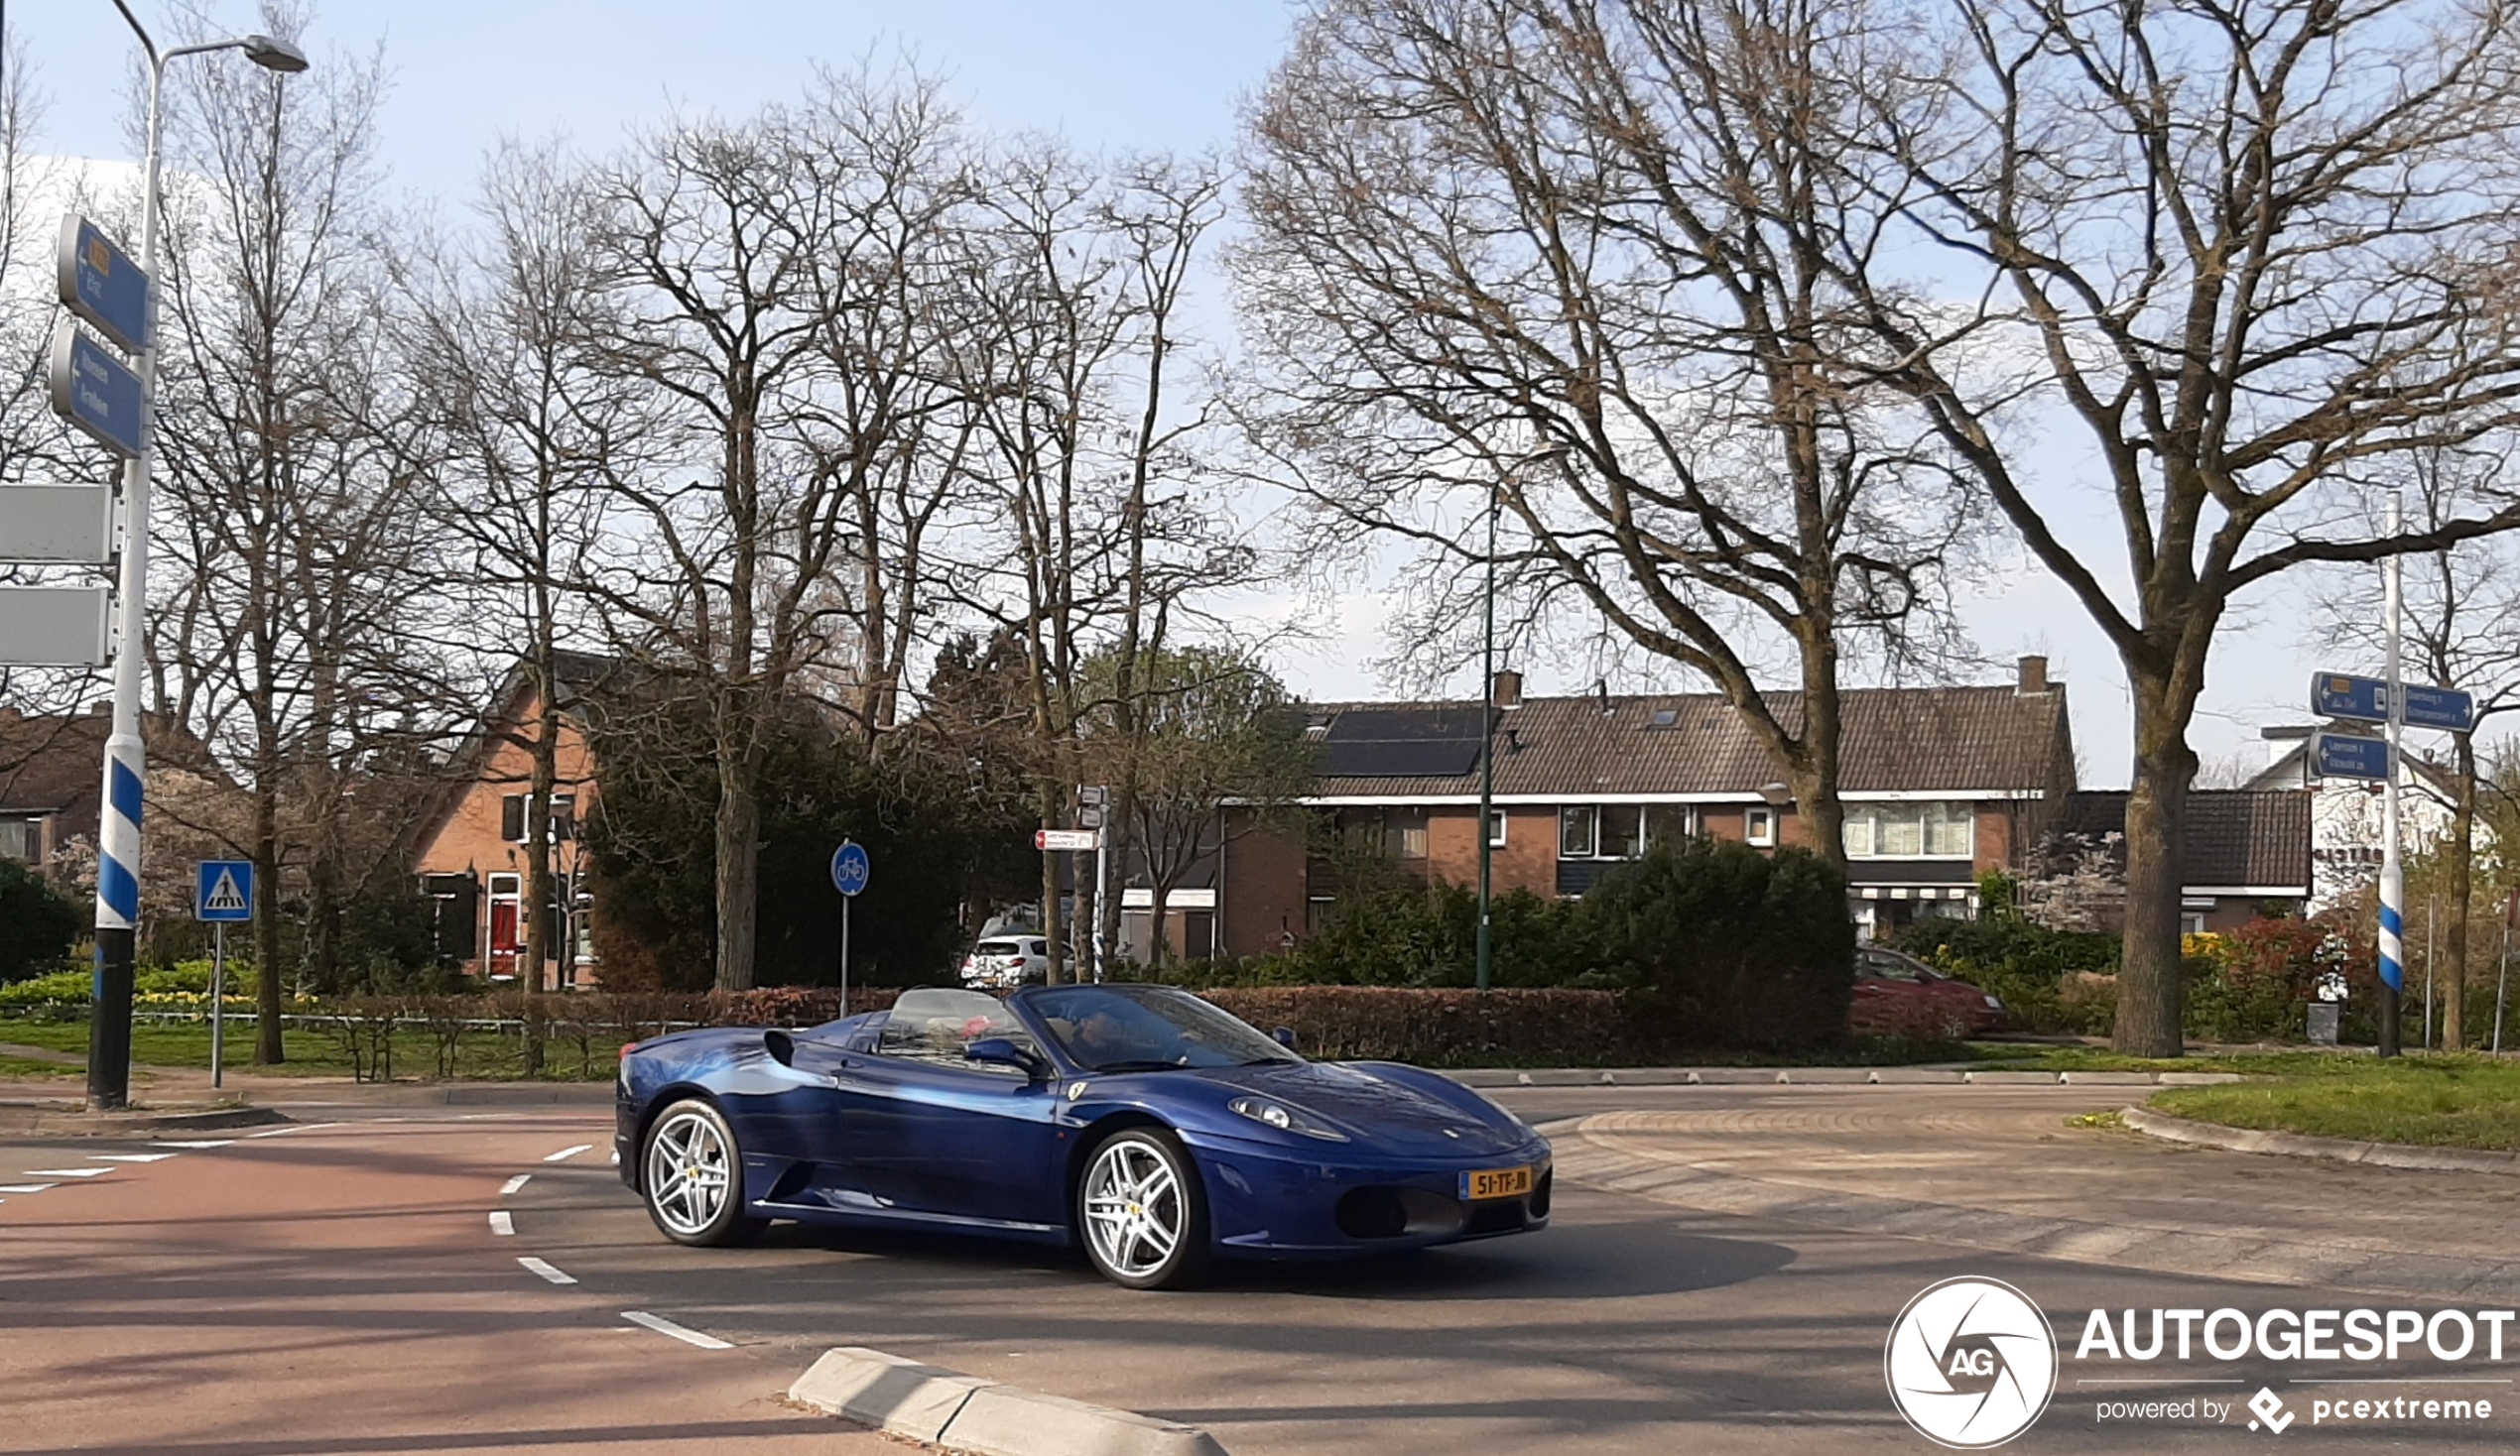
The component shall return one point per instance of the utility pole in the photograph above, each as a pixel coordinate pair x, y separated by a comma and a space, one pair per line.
1487, 752
2392, 872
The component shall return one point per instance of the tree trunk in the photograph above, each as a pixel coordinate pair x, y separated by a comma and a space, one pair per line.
2462, 856
738, 867
538, 859
1811, 771
1159, 947
2148, 984
268, 1049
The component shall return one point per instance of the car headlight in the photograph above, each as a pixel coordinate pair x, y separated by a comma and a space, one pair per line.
1996, 1001
1285, 1119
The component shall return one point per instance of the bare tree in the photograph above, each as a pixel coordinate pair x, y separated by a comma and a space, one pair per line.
1584, 261
293, 627
2255, 253
754, 282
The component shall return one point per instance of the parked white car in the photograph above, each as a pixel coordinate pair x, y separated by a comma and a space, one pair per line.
1003, 962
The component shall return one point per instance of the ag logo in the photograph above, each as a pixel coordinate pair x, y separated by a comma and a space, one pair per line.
1972, 1363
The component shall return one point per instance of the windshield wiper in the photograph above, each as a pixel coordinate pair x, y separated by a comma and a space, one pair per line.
1139, 1067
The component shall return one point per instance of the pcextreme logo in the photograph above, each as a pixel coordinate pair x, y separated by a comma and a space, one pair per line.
1972, 1363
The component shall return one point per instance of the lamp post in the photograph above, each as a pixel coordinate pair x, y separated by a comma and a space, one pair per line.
1487, 749
126, 759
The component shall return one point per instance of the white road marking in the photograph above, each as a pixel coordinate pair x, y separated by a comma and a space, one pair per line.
616, 1158
514, 1184
668, 1328
26, 1188
66, 1172
547, 1272
301, 1128
566, 1153
502, 1222
129, 1156
200, 1142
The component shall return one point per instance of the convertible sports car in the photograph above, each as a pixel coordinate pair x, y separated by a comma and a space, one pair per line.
1158, 1128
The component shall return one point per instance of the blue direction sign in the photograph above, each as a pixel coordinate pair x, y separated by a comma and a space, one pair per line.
850, 868
2366, 699
223, 890
94, 391
101, 283
2350, 756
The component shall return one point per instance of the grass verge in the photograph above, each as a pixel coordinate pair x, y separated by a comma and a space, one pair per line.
316, 1052
2427, 1101
28, 1069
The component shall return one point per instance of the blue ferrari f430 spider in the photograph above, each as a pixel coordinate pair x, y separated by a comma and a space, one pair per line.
1139, 1121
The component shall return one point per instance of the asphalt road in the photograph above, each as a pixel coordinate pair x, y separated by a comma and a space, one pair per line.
344, 1288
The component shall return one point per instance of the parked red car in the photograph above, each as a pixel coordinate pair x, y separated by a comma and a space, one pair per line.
1900, 996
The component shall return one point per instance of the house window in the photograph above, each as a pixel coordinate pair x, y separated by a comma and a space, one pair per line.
1317, 914
512, 816
1906, 831
1669, 823
1496, 829
1405, 835
1758, 826
1578, 828
1608, 832
512, 819
22, 840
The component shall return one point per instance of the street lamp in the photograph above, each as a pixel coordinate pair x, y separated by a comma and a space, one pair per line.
126, 759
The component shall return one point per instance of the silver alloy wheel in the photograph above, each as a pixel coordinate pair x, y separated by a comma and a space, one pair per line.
1135, 1213
688, 1173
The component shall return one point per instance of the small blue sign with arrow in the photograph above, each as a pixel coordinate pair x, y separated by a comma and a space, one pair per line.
95, 391
850, 868
223, 890
2350, 756
2366, 699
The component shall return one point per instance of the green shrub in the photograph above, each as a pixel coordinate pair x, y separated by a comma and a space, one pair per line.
2046, 977
1721, 945
1412, 935
1440, 1027
37, 922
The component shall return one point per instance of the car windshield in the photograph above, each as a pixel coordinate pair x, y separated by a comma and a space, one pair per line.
1146, 1028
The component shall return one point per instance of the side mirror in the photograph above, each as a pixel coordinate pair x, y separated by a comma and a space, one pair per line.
1284, 1036
1003, 1052
781, 1047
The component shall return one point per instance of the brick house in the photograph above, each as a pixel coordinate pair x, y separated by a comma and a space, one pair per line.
472, 848
1939, 785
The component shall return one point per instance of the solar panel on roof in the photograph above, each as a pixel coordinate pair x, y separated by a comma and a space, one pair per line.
1400, 743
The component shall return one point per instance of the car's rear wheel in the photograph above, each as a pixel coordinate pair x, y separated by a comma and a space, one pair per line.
1142, 1212
693, 1175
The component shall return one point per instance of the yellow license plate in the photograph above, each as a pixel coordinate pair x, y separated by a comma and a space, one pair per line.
1496, 1182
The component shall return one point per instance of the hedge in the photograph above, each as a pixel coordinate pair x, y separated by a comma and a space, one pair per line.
1439, 1028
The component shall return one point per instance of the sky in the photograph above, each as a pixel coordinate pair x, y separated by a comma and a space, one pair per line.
1114, 75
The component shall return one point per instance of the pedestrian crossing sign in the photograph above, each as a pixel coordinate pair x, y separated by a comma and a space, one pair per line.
223, 890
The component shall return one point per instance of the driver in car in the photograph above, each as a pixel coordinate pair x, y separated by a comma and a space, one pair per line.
1104, 1036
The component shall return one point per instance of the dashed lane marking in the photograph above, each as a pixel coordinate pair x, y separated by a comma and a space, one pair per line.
66, 1172
566, 1153
547, 1272
675, 1331
502, 1222
301, 1128
514, 1184
198, 1142
129, 1156
26, 1188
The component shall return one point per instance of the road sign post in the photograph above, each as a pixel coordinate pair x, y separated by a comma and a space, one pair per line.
94, 391
70, 524
100, 284
223, 894
2350, 756
55, 625
849, 870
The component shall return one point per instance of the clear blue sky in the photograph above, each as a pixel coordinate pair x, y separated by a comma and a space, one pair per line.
1113, 74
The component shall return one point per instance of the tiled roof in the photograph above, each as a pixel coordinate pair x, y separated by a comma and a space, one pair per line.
1896, 739
2234, 836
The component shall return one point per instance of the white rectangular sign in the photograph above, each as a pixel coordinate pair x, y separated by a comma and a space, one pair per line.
57, 522
1067, 839
54, 626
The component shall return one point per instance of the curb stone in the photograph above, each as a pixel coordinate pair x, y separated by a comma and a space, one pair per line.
2300, 1144
925, 1402
69, 1118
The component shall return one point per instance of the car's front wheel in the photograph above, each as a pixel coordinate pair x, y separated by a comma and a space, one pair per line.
1142, 1212
693, 1175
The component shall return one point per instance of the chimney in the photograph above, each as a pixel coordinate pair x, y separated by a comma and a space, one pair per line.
2034, 675
1506, 692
